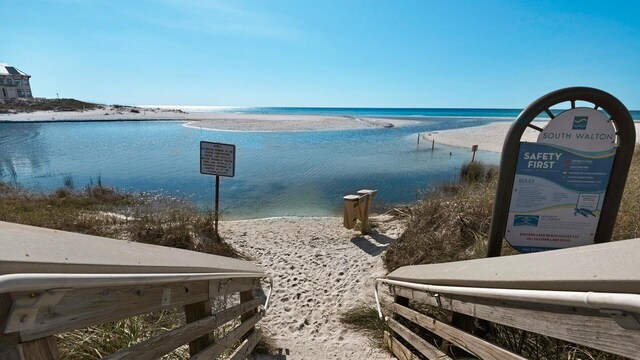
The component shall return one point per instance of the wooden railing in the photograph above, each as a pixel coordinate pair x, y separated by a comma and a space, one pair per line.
587, 296
53, 282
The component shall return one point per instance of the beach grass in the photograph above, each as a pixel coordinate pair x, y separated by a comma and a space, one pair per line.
364, 318
452, 222
98, 341
104, 211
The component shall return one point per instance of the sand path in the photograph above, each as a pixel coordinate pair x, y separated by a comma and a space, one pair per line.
320, 269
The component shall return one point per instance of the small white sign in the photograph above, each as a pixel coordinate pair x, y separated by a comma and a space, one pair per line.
217, 159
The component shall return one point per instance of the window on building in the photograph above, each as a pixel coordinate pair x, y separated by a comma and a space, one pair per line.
20, 93
25, 81
18, 82
9, 81
28, 93
1, 81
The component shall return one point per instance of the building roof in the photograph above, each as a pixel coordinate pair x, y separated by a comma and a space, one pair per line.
6, 69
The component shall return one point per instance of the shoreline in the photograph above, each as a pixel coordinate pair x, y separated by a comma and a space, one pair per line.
488, 137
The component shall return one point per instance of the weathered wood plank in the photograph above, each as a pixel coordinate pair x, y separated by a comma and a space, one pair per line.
244, 297
228, 340
247, 346
398, 348
416, 341
41, 349
195, 312
581, 326
86, 307
472, 344
157, 346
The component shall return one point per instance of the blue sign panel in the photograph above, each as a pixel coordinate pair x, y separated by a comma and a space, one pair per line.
561, 182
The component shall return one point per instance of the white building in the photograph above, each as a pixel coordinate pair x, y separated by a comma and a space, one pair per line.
14, 83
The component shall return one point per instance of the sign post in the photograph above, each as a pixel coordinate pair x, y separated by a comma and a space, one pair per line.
220, 160
474, 148
565, 189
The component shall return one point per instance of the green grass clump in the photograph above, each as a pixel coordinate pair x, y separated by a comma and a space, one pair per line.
364, 318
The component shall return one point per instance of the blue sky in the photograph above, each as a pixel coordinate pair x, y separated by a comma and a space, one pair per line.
324, 53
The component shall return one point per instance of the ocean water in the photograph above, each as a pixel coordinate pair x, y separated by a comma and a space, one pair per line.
504, 114
277, 173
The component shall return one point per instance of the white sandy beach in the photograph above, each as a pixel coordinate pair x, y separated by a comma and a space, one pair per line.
320, 270
488, 137
214, 121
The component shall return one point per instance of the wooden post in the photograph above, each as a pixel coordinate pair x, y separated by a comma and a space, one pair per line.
8, 344
433, 144
365, 201
10, 348
400, 300
217, 200
418, 145
197, 311
41, 349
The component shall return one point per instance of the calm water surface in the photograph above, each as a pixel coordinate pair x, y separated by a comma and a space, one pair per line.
277, 173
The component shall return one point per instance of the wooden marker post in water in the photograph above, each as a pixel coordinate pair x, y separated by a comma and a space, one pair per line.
474, 148
219, 160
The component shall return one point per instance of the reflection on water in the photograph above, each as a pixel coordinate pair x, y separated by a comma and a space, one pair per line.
20, 150
277, 174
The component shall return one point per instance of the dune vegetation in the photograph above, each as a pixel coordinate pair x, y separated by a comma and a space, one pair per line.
452, 224
103, 211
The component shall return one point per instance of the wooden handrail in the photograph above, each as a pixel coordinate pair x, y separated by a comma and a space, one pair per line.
523, 292
53, 281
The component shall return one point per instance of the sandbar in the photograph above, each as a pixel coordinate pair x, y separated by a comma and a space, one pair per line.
213, 121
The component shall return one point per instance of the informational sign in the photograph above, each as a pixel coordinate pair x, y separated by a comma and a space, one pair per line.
217, 159
561, 181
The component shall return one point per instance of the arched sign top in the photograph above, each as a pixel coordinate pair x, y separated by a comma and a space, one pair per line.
563, 190
581, 129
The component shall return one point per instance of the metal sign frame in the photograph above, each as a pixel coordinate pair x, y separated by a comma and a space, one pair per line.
626, 136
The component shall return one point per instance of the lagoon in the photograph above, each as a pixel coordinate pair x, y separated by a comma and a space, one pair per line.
277, 173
